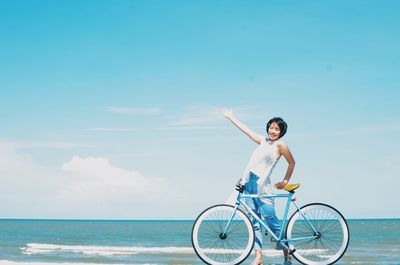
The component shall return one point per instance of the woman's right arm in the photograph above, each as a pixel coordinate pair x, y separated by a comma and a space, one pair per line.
228, 113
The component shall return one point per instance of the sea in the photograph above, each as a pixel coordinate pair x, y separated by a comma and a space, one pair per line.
35, 242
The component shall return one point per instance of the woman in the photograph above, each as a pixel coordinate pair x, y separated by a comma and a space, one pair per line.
256, 177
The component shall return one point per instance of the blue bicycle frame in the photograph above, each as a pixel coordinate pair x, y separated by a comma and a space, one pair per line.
241, 200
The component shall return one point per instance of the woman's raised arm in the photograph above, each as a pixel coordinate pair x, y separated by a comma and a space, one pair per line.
228, 113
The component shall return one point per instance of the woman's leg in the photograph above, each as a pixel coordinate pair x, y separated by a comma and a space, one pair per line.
268, 212
257, 226
251, 188
258, 260
257, 230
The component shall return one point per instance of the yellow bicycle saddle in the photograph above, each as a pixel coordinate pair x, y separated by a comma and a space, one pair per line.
291, 187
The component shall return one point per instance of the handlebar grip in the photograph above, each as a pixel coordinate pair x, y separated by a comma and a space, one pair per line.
240, 187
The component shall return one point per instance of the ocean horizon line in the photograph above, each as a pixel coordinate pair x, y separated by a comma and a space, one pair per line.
165, 220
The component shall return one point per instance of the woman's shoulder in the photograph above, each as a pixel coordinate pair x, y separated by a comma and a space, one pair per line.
281, 143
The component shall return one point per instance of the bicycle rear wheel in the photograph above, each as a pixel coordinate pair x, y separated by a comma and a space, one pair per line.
213, 246
327, 245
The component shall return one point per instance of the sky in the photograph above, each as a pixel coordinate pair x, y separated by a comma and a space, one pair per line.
111, 109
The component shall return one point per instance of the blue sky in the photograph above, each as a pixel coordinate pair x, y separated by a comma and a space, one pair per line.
109, 109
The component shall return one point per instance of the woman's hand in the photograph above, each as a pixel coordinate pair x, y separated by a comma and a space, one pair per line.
280, 185
228, 113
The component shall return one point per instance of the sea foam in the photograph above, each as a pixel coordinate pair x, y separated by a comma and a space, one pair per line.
38, 248
9, 262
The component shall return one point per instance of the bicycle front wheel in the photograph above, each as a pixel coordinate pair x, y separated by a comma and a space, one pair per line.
215, 247
319, 234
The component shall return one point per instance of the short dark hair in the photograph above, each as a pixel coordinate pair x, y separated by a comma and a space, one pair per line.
281, 124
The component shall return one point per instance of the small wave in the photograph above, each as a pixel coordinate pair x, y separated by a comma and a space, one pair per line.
315, 251
9, 262
37, 248
266, 252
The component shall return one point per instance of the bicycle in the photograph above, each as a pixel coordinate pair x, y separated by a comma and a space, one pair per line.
316, 233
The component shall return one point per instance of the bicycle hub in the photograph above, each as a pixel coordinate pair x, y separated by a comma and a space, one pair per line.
222, 236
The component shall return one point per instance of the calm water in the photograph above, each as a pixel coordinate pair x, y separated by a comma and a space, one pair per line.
159, 242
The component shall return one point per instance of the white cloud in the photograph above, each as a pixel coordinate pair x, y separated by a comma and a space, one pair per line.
356, 130
110, 129
50, 145
94, 180
134, 111
376, 128
194, 117
171, 128
81, 188
391, 163
197, 115
14, 164
204, 116
25, 185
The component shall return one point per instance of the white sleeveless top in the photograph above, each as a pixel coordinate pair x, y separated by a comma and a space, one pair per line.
262, 163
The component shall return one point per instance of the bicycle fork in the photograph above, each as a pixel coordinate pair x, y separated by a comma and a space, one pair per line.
223, 234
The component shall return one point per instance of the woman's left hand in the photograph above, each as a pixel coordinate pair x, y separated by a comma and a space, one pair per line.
280, 185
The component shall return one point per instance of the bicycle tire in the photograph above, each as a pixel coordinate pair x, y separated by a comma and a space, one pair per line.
333, 238
213, 249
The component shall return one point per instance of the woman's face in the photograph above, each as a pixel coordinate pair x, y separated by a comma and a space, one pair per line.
274, 131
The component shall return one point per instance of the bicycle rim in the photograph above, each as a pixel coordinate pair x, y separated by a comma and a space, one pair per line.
331, 239
214, 248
